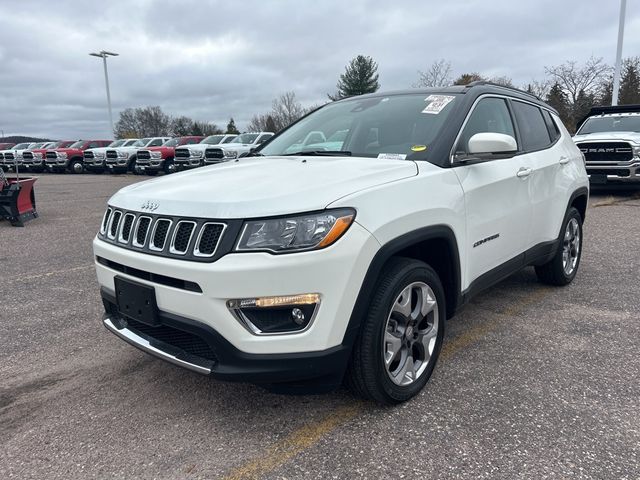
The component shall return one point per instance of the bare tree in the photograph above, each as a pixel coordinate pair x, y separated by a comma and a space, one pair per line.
181, 126
286, 109
437, 75
575, 78
539, 88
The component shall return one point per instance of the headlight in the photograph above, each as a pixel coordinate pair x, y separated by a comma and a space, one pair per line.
37, 155
62, 154
290, 234
636, 151
123, 154
99, 154
196, 153
229, 154
156, 154
18, 155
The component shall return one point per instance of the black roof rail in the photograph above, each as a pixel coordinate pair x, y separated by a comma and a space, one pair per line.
478, 83
603, 109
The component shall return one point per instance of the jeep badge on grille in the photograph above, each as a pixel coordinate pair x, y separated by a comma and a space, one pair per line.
149, 206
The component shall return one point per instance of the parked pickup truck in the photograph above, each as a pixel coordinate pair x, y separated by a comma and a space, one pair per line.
192, 156
345, 265
123, 159
71, 158
155, 159
33, 159
95, 158
10, 156
609, 139
242, 145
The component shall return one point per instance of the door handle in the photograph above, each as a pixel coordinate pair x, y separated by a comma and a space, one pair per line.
564, 160
524, 172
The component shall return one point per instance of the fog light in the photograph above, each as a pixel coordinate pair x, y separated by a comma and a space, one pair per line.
275, 315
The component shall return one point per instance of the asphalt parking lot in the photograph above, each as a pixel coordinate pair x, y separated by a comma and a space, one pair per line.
533, 382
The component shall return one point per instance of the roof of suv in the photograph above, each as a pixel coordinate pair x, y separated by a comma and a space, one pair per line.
476, 88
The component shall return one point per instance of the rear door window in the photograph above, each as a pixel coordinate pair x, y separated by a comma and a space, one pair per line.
534, 133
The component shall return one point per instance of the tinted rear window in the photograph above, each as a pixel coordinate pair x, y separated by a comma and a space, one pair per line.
533, 129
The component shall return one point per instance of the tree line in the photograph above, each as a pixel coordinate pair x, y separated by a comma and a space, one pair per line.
153, 122
572, 88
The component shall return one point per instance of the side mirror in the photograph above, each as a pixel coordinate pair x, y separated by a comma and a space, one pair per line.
490, 142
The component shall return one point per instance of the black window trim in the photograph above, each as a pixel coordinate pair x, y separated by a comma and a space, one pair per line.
453, 162
545, 123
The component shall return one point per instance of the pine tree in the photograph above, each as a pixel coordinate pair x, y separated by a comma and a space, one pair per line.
467, 78
270, 125
630, 82
558, 100
360, 77
581, 107
231, 127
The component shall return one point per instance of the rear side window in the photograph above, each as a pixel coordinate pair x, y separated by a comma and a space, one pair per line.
490, 115
534, 134
554, 131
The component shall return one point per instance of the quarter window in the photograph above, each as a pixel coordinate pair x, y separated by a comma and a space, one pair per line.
533, 129
552, 126
490, 115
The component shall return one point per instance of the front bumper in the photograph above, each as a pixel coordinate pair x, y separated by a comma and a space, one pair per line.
217, 357
336, 273
187, 163
618, 171
153, 165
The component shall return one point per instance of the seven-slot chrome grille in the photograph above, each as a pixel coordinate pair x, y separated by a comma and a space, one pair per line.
176, 237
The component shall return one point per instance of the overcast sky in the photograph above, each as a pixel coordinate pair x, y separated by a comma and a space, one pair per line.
212, 60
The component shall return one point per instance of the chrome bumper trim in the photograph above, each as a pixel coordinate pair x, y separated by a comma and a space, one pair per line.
144, 345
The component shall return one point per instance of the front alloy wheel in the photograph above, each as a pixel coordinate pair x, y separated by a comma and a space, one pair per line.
410, 333
401, 335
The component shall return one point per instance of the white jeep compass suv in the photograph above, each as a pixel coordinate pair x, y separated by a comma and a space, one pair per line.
343, 260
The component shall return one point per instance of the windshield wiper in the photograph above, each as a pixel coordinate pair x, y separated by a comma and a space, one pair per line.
254, 154
320, 153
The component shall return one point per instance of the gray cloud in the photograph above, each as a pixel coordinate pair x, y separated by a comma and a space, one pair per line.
211, 60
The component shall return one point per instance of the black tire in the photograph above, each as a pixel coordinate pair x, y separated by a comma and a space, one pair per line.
76, 166
169, 166
553, 272
366, 374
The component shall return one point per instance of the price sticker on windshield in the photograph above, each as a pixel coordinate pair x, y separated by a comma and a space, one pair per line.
437, 103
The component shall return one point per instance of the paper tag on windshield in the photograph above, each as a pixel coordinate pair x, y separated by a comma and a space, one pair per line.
392, 156
437, 103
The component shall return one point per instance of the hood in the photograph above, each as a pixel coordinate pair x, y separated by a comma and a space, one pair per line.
159, 148
66, 150
608, 136
200, 147
97, 149
257, 187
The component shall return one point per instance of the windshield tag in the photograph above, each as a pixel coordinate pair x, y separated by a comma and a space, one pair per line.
392, 156
437, 103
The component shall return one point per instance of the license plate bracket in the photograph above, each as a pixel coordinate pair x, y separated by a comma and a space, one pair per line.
136, 301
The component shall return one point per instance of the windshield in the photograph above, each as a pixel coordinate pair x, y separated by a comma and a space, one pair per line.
171, 143
116, 143
394, 126
78, 144
21, 146
618, 123
37, 145
213, 139
130, 143
66, 144
245, 138
137, 143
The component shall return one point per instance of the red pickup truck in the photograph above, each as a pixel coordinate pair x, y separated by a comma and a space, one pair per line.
154, 159
71, 158
34, 160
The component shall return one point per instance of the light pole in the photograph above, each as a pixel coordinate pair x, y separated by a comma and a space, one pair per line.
103, 54
616, 73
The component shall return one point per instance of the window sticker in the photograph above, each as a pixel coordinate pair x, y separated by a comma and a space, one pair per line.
437, 103
418, 148
392, 156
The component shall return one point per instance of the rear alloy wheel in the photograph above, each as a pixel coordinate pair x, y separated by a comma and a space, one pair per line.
402, 334
76, 166
563, 267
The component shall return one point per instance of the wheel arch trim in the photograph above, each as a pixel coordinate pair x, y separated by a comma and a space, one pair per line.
386, 252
